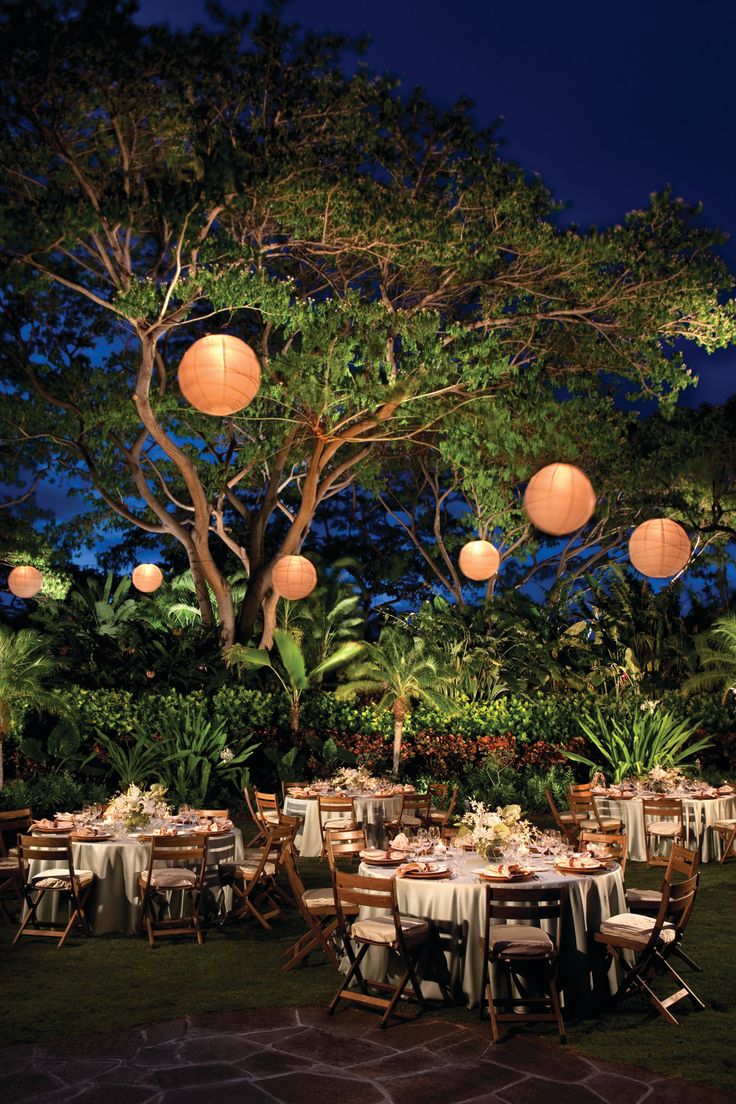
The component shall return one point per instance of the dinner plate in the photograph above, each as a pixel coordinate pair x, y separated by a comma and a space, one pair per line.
380, 858
65, 831
522, 876
566, 869
100, 838
423, 875
213, 832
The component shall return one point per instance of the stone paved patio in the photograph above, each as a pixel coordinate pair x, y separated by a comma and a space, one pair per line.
303, 1056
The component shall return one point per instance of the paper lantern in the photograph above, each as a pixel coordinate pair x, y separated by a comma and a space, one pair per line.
294, 577
479, 560
147, 578
559, 499
659, 548
25, 582
219, 374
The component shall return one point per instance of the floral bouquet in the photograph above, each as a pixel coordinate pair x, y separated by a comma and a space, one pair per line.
137, 807
493, 830
360, 780
666, 779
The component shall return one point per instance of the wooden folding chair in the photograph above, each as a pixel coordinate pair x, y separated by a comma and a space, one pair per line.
415, 814
528, 954
268, 808
615, 844
286, 786
440, 817
318, 911
652, 942
584, 807
261, 831
565, 822
403, 935
726, 831
662, 821
253, 880
683, 863
60, 877
12, 823
162, 881
210, 814
344, 843
335, 812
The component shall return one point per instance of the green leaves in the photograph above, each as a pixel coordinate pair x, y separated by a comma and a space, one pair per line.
642, 740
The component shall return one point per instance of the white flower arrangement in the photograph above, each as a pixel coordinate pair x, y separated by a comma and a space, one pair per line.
360, 780
666, 779
137, 807
497, 829
227, 755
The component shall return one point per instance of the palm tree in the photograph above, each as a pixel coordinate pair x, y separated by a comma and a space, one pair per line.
25, 665
717, 655
403, 672
293, 674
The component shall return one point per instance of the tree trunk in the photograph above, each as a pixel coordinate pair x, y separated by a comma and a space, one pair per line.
399, 712
2, 764
294, 711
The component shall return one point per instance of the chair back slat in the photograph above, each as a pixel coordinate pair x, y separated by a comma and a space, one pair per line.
661, 808
267, 802
356, 889
683, 861
676, 906
616, 842
335, 804
211, 814
13, 821
343, 842
512, 905
44, 848
286, 786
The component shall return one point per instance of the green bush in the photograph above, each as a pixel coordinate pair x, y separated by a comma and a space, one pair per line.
52, 794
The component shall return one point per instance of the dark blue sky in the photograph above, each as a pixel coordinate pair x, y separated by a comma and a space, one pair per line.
607, 101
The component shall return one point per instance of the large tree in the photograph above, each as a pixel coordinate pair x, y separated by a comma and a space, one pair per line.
403, 286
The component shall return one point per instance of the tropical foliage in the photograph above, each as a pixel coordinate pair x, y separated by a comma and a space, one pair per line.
632, 746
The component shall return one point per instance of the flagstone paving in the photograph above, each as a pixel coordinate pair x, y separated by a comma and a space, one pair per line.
303, 1056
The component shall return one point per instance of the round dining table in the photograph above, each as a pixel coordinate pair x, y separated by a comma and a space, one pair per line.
117, 864
371, 810
699, 814
456, 910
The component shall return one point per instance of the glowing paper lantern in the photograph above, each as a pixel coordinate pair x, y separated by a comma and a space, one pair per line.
479, 560
659, 548
294, 577
147, 578
559, 499
25, 582
219, 374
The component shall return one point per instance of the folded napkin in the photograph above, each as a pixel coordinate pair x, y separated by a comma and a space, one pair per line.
63, 819
400, 842
581, 862
86, 832
503, 870
43, 825
221, 824
416, 868
725, 788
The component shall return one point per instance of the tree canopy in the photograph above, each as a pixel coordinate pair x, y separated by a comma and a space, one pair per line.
416, 304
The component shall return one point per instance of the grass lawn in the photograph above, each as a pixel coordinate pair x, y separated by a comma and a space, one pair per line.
118, 981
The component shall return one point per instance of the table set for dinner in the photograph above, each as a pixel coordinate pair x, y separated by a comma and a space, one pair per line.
702, 807
370, 810
116, 856
447, 886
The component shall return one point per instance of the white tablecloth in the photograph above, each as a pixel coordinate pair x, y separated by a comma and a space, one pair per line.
457, 911
370, 813
698, 816
113, 905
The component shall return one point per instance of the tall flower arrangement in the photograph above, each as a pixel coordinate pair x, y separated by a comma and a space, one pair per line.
136, 807
500, 829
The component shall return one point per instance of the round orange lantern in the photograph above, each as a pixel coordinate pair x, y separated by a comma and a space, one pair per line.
659, 548
294, 577
25, 582
479, 560
147, 578
559, 499
219, 374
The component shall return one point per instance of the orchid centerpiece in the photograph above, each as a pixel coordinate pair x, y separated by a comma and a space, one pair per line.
359, 780
136, 807
666, 779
